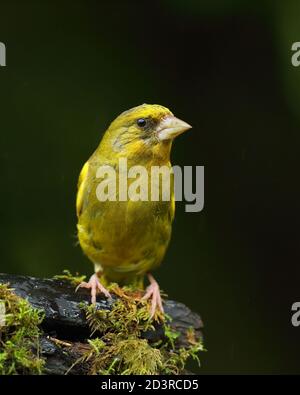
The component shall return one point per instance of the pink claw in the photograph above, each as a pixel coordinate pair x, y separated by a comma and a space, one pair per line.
94, 285
153, 292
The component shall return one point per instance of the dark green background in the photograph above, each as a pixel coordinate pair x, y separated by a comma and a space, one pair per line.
224, 67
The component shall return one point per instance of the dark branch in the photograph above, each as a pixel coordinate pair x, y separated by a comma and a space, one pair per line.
65, 320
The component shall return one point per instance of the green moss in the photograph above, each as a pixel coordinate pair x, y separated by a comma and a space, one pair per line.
170, 334
128, 316
67, 276
121, 349
175, 359
122, 356
19, 336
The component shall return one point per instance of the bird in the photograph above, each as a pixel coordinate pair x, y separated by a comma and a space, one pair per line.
126, 239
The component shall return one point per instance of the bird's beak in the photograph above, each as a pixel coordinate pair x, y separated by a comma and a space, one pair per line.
170, 127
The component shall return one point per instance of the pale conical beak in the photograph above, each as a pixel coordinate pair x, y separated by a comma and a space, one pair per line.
170, 127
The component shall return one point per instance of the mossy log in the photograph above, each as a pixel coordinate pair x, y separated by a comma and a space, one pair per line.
65, 327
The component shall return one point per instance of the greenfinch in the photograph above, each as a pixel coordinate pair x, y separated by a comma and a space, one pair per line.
125, 238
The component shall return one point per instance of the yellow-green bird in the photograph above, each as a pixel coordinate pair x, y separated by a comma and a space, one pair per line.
126, 239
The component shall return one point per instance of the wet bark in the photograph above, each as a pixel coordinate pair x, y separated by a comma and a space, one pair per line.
65, 328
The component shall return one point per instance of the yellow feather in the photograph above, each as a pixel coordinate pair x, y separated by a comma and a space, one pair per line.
126, 239
81, 188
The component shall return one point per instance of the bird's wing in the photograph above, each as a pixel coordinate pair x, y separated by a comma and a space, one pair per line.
81, 188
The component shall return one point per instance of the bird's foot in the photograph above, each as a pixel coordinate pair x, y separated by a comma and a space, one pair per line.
153, 292
94, 285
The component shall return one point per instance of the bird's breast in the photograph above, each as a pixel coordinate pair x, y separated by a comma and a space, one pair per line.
126, 235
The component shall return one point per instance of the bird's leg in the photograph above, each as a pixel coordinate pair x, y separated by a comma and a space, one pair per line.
94, 285
152, 291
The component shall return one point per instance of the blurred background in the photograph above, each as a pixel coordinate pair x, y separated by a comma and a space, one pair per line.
224, 67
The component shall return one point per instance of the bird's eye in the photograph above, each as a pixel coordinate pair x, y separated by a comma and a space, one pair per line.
141, 122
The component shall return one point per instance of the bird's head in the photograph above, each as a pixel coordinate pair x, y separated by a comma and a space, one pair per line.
143, 131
